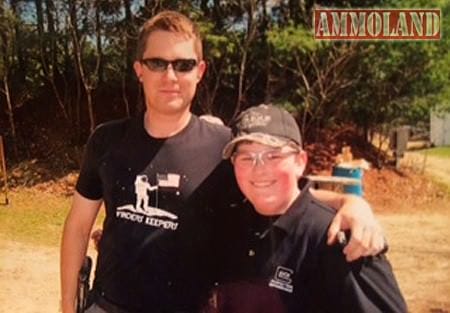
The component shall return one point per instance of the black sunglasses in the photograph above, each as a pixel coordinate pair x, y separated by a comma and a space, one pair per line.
161, 65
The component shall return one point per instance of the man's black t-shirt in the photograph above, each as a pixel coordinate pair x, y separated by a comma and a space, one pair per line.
161, 196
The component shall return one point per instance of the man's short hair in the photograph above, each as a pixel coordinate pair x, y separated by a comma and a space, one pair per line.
170, 21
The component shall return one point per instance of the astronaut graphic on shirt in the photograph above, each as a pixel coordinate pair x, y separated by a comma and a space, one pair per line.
143, 205
141, 188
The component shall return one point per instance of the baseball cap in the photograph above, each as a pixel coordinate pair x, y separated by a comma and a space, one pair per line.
266, 124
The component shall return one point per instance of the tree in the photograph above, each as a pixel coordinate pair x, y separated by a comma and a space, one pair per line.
127, 72
91, 25
400, 82
8, 63
48, 51
248, 37
316, 72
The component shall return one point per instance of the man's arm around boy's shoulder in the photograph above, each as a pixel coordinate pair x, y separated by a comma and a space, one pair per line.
365, 285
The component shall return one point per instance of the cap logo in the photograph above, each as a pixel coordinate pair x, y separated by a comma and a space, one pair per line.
254, 119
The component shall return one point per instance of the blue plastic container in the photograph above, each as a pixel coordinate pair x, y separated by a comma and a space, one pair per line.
351, 172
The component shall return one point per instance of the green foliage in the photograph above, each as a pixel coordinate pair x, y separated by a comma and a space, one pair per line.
288, 106
217, 45
403, 81
7, 25
292, 39
440, 68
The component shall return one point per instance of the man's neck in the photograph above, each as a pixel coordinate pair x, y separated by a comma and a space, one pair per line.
164, 126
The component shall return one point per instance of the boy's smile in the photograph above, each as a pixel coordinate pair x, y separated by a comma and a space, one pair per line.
267, 176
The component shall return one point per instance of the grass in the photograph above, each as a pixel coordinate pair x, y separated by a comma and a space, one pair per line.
441, 152
442, 185
33, 217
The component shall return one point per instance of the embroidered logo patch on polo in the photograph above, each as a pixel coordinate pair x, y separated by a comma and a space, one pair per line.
283, 279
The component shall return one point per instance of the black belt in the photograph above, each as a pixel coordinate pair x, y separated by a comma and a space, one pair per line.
109, 307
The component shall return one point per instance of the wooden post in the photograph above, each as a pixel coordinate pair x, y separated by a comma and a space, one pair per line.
3, 169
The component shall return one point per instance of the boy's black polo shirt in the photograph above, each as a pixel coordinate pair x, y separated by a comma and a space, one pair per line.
288, 267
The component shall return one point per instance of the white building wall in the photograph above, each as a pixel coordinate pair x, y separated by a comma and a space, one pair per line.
440, 129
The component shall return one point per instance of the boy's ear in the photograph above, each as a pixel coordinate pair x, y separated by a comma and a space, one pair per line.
301, 159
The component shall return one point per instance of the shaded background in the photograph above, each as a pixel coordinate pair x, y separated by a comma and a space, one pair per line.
66, 66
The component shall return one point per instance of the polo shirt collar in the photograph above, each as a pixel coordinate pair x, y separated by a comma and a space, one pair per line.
288, 222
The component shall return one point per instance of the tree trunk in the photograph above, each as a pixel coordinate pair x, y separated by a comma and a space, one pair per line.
10, 113
127, 58
99, 68
48, 60
249, 37
88, 83
267, 27
73, 33
6, 53
90, 106
19, 52
52, 36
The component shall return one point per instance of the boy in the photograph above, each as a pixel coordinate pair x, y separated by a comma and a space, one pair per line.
289, 267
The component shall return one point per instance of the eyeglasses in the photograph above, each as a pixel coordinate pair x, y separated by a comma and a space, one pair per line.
268, 157
161, 65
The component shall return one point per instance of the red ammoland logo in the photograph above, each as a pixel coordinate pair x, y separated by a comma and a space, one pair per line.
376, 24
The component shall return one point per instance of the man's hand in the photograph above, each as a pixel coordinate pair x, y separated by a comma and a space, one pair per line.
367, 236
96, 236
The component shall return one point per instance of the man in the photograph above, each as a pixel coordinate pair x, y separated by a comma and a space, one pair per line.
164, 262
291, 269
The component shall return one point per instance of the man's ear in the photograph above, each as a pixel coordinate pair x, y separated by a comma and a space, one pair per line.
301, 159
138, 70
201, 69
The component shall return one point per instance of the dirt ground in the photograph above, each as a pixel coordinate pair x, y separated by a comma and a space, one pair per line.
414, 213
432, 165
416, 217
29, 278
